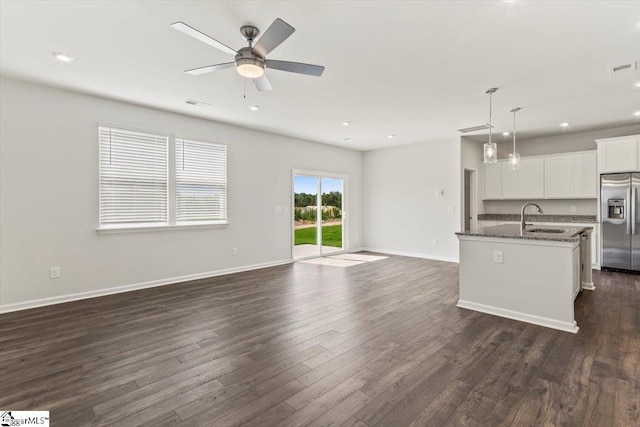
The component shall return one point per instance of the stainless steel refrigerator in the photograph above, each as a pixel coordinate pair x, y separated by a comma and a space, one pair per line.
619, 220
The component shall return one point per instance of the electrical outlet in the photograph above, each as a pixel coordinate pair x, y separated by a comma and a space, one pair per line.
277, 209
285, 209
452, 208
572, 208
439, 193
234, 251
435, 242
55, 272
498, 257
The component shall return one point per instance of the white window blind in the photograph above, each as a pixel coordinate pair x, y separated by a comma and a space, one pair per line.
133, 178
201, 181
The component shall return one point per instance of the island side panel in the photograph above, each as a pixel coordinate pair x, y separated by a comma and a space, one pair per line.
534, 283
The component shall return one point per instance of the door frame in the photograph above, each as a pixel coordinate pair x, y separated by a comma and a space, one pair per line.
473, 199
345, 209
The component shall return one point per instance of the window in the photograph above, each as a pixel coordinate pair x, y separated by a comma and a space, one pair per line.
133, 178
150, 181
201, 181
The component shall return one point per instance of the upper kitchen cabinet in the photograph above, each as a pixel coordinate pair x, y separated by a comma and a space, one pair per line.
571, 176
585, 175
526, 182
493, 181
558, 176
620, 154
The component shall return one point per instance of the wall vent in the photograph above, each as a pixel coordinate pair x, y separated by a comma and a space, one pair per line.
197, 103
475, 128
633, 66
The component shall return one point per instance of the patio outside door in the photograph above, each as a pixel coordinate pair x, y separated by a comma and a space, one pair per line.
318, 215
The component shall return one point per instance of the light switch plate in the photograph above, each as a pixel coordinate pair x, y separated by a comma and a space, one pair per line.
277, 209
452, 208
54, 272
498, 257
572, 208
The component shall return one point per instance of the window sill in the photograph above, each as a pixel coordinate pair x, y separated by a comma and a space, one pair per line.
142, 229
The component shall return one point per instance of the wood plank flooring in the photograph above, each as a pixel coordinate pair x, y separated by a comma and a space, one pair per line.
378, 344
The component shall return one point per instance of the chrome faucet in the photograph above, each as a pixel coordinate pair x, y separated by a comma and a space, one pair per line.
523, 225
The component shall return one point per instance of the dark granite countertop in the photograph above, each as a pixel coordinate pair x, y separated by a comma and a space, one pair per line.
585, 219
512, 231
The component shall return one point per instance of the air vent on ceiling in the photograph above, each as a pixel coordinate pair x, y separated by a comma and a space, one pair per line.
475, 128
633, 66
197, 103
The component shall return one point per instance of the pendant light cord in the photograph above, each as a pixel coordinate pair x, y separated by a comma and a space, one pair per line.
490, 126
514, 131
514, 111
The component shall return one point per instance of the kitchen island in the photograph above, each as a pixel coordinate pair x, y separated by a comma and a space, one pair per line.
531, 276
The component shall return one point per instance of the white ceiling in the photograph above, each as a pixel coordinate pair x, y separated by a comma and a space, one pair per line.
415, 69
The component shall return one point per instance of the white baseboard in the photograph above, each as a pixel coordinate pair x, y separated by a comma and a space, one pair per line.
588, 286
410, 254
523, 317
7, 308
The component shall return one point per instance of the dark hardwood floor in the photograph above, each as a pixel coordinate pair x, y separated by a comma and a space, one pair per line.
379, 344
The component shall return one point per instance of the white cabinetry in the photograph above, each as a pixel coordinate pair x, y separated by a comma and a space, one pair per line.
571, 176
493, 180
526, 182
585, 175
619, 154
563, 176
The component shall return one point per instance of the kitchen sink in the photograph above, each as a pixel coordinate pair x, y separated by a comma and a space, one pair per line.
545, 230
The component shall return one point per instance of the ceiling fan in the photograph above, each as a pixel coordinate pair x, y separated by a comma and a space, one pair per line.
251, 61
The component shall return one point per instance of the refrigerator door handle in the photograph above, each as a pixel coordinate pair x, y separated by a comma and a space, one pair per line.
629, 217
634, 196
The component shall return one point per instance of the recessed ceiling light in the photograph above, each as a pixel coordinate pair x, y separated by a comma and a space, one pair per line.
62, 57
637, 84
505, 134
637, 113
346, 123
564, 124
391, 136
254, 107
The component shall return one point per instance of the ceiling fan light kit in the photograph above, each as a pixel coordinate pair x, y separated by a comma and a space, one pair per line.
250, 61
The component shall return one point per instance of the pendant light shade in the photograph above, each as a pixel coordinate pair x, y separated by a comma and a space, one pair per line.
514, 158
490, 148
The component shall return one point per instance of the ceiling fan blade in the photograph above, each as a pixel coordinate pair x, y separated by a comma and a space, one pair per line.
295, 67
277, 32
210, 68
262, 83
190, 31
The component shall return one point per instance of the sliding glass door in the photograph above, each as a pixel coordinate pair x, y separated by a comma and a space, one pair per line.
318, 215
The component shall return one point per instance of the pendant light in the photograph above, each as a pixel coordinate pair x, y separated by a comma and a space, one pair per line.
490, 148
514, 158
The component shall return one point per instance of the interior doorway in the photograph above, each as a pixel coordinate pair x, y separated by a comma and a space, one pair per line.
318, 214
469, 200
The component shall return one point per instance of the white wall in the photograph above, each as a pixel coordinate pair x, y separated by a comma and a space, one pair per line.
49, 197
402, 213
564, 142
471, 157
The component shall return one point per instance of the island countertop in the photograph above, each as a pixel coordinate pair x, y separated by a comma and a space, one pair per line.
512, 231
